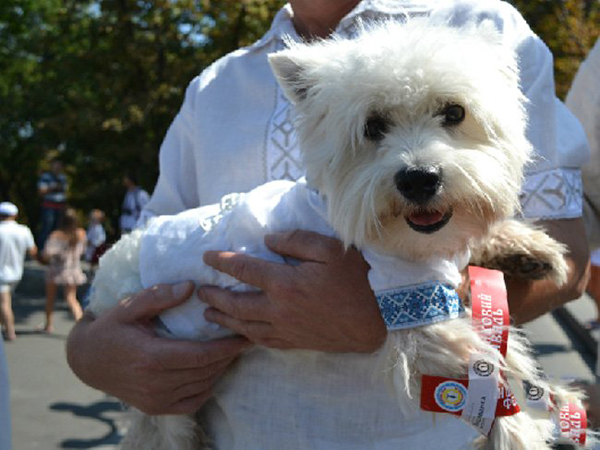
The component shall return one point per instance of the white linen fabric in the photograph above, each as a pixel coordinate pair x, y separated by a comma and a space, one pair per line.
15, 240
584, 100
296, 399
235, 129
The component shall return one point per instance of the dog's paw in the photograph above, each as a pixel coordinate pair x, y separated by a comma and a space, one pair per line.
521, 266
523, 251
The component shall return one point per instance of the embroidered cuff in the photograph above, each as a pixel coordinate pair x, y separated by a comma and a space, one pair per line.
416, 306
552, 194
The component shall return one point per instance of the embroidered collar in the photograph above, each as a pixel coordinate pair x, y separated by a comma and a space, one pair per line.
416, 306
369, 9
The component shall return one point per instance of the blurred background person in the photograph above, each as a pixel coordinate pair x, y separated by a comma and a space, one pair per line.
583, 100
16, 241
63, 251
133, 203
96, 236
52, 188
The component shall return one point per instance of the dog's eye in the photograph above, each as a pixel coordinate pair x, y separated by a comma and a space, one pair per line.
453, 115
375, 128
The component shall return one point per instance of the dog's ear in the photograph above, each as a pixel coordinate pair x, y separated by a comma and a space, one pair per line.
290, 73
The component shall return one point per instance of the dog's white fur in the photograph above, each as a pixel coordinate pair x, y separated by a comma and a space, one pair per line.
404, 77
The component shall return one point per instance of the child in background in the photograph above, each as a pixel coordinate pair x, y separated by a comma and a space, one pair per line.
96, 236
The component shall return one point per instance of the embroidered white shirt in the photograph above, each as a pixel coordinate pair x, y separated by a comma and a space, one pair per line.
584, 100
235, 130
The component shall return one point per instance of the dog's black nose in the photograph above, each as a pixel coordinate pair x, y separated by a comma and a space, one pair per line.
419, 184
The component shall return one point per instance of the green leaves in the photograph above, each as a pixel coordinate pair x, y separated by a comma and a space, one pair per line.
569, 28
99, 81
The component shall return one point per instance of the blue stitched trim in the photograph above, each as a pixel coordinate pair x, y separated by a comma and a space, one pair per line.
420, 305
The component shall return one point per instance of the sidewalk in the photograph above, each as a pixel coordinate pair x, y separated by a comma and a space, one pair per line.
51, 409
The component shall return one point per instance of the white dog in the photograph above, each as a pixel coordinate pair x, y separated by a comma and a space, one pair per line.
413, 139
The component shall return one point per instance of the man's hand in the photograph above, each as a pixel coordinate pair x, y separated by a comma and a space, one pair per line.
324, 303
120, 354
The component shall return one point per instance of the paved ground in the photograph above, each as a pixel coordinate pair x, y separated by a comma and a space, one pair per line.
51, 409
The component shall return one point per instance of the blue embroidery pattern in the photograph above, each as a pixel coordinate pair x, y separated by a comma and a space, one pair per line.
416, 306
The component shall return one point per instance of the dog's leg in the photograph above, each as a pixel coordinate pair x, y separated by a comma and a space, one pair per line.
521, 250
180, 432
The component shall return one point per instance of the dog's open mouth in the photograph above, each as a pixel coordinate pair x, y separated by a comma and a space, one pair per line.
428, 221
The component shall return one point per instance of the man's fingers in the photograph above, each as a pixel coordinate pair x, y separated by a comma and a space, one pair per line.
250, 270
241, 305
177, 355
150, 302
305, 245
253, 330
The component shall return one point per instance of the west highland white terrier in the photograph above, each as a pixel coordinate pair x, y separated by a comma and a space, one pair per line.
413, 139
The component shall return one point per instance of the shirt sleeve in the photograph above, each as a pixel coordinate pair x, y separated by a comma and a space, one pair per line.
552, 187
176, 188
29, 241
584, 100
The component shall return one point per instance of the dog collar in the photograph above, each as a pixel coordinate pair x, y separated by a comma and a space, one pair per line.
417, 306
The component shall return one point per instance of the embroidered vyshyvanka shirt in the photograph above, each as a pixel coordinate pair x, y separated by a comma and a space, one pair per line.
235, 131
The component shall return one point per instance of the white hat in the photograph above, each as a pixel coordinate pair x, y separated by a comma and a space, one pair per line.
8, 209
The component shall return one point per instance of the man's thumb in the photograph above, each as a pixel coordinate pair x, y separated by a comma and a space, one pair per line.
150, 302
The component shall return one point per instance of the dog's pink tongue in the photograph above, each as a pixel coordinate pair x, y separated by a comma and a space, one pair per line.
426, 218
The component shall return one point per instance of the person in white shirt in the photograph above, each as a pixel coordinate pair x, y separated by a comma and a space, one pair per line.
16, 241
133, 204
584, 100
234, 132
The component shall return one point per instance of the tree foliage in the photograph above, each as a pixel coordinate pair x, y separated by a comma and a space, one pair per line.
97, 82
569, 28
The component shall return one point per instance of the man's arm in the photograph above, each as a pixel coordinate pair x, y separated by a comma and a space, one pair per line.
531, 299
32, 251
